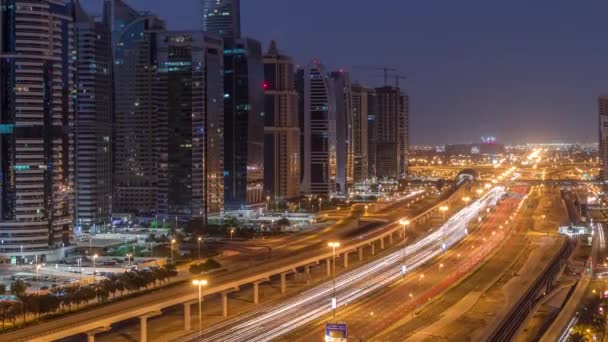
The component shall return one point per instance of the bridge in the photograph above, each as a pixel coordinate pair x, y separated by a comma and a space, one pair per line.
95, 321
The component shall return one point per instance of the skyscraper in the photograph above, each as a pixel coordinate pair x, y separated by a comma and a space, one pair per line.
189, 88
135, 118
603, 136
372, 106
93, 127
319, 130
342, 88
281, 131
359, 140
36, 124
222, 17
243, 106
243, 124
391, 130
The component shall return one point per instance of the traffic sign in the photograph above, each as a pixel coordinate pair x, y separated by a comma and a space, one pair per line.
335, 332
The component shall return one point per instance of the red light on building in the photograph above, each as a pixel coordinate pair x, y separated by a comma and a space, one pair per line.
265, 85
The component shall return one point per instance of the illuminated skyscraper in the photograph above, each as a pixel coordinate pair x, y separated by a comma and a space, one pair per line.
93, 127
36, 127
135, 119
189, 88
281, 131
318, 127
359, 140
342, 88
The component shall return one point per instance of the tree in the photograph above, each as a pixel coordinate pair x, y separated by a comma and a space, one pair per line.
230, 222
19, 290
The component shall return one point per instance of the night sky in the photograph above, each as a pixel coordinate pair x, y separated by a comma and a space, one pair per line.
521, 70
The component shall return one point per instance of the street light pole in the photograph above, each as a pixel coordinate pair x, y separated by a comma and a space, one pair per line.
172, 243
443, 209
200, 284
334, 301
405, 223
94, 258
199, 247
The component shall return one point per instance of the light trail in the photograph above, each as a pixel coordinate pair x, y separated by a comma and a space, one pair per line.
273, 320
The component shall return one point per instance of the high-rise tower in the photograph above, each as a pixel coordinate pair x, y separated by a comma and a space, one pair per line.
36, 127
391, 129
135, 119
318, 127
93, 127
281, 132
359, 141
243, 106
189, 100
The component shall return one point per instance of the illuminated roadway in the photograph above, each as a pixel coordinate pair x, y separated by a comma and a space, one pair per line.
273, 320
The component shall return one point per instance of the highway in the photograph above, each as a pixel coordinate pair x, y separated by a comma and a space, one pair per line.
179, 293
273, 320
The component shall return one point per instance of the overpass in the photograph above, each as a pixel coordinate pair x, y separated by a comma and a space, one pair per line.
97, 320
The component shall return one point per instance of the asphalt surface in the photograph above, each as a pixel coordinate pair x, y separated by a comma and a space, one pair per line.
269, 322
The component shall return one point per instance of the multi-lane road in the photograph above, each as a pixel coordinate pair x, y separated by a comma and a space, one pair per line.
271, 321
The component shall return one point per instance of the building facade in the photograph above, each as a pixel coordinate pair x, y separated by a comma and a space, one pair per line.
243, 124
221, 18
189, 101
93, 119
360, 134
36, 127
281, 131
135, 119
392, 133
318, 130
342, 87
372, 105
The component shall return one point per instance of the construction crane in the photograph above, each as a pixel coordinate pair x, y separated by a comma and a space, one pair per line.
385, 69
397, 78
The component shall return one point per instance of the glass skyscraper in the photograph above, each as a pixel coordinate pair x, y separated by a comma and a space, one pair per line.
135, 120
190, 112
93, 126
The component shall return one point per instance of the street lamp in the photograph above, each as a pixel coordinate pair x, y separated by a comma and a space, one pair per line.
466, 200
199, 247
443, 209
420, 280
366, 206
404, 223
200, 283
267, 203
129, 258
172, 243
231, 233
320, 203
94, 271
334, 302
